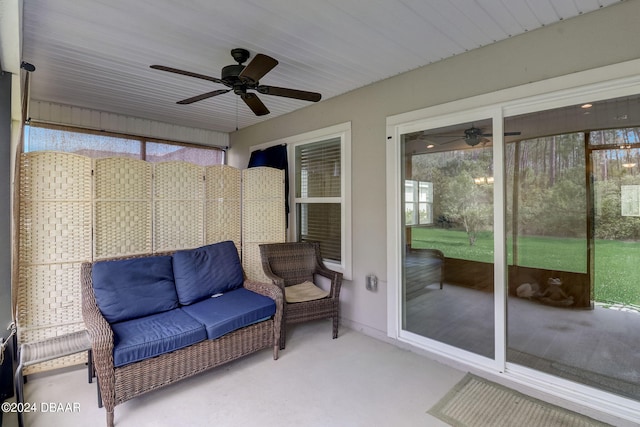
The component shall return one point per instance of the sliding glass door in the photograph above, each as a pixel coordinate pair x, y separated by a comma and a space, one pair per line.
447, 211
559, 290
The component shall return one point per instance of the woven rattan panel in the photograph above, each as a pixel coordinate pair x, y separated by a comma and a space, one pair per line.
57, 299
49, 175
251, 262
55, 231
263, 216
122, 199
178, 206
121, 178
223, 210
54, 238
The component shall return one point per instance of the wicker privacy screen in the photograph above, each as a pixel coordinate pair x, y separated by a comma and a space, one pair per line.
263, 219
223, 205
122, 201
75, 209
55, 238
178, 206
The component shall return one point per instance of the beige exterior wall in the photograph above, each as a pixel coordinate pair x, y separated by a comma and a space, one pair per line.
594, 40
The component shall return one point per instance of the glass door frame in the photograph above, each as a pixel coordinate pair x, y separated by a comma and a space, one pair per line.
588, 86
479, 114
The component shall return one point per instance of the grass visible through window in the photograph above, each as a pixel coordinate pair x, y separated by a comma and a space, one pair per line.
617, 276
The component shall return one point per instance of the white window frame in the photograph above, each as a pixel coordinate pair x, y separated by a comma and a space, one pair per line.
343, 132
417, 202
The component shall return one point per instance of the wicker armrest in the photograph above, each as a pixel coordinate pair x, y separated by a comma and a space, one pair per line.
101, 337
334, 276
276, 294
98, 327
267, 289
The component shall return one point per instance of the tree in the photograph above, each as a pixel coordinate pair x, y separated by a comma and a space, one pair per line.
465, 202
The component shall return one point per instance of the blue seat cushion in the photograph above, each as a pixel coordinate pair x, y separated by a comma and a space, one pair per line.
230, 311
206, 271
131, 288
154, 335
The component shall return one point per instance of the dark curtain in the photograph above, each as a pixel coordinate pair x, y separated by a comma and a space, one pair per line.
274, 157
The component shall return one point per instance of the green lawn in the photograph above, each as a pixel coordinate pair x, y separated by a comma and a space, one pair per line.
617, 274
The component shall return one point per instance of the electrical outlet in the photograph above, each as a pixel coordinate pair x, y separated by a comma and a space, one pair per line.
372, 283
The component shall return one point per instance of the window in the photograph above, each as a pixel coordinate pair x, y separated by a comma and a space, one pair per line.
630, 200
165, 152
319, 165
318, 196
418, 202
85, 144
321, 198
103, 144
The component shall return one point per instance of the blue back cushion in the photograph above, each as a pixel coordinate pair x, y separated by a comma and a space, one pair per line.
206, 271
133, 288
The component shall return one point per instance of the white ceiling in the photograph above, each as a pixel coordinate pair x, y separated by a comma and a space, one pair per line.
96, 53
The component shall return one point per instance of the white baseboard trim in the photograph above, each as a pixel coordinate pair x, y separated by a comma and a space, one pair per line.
382, 336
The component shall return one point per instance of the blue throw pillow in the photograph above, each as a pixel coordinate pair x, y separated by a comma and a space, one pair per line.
206, 271
133, 288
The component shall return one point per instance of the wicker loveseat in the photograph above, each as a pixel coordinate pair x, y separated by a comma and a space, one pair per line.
156, 319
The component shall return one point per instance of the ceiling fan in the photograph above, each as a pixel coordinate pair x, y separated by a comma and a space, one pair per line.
473, 136
241, 78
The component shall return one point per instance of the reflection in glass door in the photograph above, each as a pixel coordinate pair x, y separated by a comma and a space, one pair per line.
616, 187
448, 220
573, 209
616, 225
547, 248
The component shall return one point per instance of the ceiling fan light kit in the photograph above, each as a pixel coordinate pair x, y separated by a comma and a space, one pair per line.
240, 78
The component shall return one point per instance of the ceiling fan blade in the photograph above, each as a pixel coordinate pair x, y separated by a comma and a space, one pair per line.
453, 139
253, 102
505, 134
203, 96
480, 134
188, 73
257, 68
290, 93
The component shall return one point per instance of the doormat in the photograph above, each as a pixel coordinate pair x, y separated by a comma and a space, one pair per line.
476, 402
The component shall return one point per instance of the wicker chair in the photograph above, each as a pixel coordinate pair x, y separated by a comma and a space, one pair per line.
297, 263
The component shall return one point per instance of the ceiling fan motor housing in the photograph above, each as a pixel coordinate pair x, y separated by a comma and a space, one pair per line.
473, 132
230, 73
472, 136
